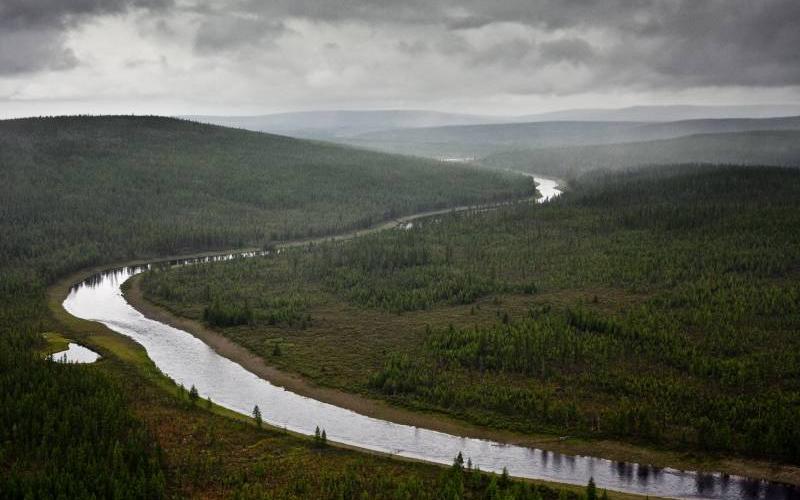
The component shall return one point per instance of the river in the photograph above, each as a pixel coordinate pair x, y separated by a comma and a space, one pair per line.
189, 361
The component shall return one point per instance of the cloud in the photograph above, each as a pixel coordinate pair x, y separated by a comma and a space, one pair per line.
572, 50
230, 32
311, 53
26, 50
33, 32
668, 43
468, 22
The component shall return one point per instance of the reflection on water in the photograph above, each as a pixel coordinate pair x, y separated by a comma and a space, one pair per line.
547, 188
189, 361
75, 353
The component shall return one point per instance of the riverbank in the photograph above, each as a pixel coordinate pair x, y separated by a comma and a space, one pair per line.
159, 404
380, 409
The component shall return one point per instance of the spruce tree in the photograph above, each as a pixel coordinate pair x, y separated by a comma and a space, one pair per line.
257, 416
193, 395
591, 490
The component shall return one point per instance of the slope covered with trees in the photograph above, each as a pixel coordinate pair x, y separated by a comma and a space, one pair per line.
657, 306
76, 189
83, 191
742, 148
479, 141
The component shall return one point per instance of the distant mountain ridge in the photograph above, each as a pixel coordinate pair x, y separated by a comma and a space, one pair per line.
758, 147
667, 113
481, 140
331, 124
350, 123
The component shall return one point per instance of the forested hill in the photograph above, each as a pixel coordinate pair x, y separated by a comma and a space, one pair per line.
80, 190
779, 148
482, 140
659, 305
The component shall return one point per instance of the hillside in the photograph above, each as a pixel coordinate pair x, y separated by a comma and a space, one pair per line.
482, 140
656, 306
78, 190
742, 148
341, 124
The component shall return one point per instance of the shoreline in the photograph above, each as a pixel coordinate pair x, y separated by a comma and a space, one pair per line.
608, 449
376, 408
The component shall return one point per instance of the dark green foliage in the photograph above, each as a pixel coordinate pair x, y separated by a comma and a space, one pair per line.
75, 189
320, 438
591, 490
193, 395
219, 315
257, 416
66, 431
83, 191
711, 348
664, 308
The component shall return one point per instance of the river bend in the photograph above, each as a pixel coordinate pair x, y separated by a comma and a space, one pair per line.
189, 361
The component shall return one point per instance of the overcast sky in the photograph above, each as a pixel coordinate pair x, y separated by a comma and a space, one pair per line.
488, 56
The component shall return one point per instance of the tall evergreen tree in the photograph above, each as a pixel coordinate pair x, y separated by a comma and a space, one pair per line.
257, 416
591, 490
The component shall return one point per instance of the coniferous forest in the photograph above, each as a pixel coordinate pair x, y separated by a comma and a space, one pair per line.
428, 250
654, 306
80, 192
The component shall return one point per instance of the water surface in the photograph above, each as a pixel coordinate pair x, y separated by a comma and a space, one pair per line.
189, 361
548, 188
75, 353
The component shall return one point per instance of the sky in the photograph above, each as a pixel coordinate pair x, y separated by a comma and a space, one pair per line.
243, 57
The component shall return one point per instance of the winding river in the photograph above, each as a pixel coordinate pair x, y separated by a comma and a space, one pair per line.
189, 361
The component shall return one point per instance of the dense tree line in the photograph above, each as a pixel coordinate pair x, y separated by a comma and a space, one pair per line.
661, 306
66, 431
84, 191
75, 189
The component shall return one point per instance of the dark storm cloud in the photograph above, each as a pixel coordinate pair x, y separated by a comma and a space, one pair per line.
24, 50
17, 14
32, 32
572, 50
532, 46
468, 22
669, 43
230, 32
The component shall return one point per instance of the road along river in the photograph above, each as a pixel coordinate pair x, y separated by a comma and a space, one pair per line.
189, 361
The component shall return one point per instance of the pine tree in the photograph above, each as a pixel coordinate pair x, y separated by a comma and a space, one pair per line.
591, 490
257, 416
458, 463
193, 395
505, 480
